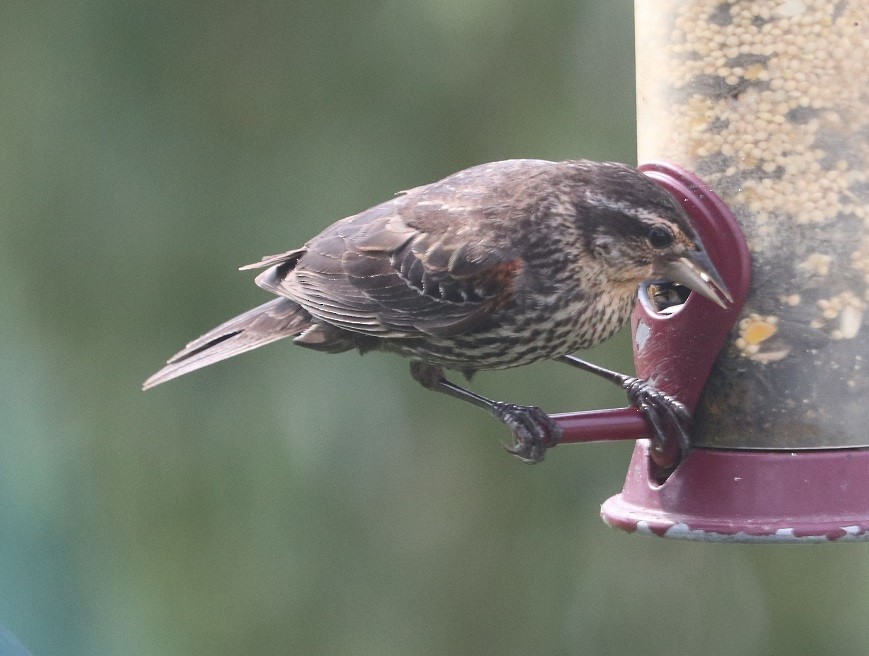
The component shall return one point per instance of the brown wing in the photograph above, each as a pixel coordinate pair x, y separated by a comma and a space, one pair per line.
417, 264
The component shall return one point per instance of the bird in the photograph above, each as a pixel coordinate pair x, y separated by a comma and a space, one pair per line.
496, 266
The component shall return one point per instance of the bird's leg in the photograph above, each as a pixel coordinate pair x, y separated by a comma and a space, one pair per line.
662, 411
533, 430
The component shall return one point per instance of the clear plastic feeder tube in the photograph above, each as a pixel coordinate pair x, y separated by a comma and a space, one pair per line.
768, 102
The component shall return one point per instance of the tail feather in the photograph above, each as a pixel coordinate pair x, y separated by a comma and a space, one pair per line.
262, 325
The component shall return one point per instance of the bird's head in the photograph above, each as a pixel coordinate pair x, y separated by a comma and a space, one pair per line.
639, 233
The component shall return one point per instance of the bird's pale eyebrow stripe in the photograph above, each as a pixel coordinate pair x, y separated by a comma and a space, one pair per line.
625, 208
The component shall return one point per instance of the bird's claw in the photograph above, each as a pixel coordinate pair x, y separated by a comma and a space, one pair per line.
533, 430
667, 417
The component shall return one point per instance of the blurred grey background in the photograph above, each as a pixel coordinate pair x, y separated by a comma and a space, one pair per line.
289, 502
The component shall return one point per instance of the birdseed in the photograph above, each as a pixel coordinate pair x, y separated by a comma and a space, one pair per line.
767, 102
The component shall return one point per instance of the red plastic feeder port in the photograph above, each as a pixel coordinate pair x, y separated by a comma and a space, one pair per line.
722, 495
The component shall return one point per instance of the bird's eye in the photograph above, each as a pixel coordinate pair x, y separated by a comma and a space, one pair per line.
660, 237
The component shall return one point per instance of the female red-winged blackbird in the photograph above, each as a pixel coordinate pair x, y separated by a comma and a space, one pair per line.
496, 266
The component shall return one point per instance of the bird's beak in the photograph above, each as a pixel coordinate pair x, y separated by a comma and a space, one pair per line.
696, 271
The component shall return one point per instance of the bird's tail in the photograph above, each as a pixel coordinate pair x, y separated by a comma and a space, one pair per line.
264, 324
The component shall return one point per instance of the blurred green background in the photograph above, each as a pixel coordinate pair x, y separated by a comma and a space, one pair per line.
289, 502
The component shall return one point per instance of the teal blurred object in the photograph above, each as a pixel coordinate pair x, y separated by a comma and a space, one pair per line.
9, 644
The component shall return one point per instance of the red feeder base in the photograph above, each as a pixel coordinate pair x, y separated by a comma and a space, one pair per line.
748, 496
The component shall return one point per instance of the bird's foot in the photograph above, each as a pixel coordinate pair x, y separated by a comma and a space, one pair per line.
533, 430
667, 417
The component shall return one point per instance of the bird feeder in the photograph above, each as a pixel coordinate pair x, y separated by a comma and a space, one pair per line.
766, 103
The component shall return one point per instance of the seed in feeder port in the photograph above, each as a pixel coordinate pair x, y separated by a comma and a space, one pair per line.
666, 297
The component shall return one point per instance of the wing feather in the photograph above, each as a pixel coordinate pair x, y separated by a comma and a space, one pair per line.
410, 267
